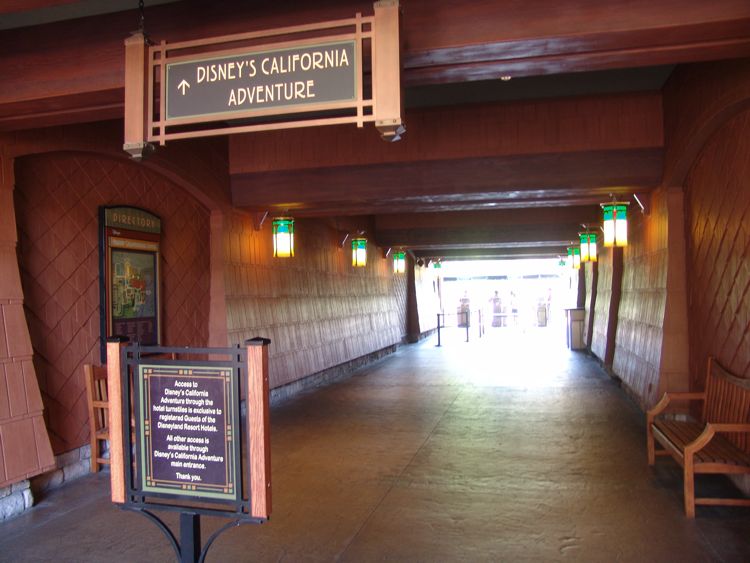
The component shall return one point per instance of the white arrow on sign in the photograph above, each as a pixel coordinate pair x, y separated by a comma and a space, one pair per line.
184, 85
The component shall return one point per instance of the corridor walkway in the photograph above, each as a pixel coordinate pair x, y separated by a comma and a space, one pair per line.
508, 448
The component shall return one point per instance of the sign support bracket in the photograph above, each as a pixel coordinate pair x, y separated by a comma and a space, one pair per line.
189, 549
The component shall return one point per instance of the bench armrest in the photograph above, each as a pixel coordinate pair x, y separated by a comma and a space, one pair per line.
729, 427
667, 398
711, 429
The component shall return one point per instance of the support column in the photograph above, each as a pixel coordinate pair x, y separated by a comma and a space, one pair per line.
591, 303
217, 315
614, 306
674, 372
412, 310
25, 449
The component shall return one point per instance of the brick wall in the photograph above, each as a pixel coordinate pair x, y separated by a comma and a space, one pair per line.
57, 197
718, 265
316, 308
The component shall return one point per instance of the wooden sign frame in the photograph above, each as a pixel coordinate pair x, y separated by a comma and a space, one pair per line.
129, 367
378, 36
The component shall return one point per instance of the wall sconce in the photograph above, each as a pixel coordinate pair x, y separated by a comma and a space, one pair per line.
615, 223
399, 262
588, 246
574, 257
283, 237
359, 252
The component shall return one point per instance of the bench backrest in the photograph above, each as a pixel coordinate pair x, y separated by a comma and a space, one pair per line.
727, 400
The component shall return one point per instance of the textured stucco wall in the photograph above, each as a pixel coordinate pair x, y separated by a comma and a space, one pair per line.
718, 207
57, 198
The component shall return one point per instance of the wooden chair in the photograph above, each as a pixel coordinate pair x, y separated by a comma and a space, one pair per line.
96, 392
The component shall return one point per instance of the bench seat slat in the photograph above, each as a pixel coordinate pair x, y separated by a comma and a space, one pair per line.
719, 451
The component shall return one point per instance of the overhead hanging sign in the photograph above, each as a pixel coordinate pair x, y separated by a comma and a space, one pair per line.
328, 73
278, 79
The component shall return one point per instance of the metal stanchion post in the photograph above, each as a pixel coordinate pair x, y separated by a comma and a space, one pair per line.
438, 327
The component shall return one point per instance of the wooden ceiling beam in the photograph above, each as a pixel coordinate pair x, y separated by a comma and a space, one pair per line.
598, 172
490, 253
536, 217
586, 49
479, 236
76, 61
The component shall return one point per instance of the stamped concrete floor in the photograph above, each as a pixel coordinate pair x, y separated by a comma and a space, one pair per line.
509, 448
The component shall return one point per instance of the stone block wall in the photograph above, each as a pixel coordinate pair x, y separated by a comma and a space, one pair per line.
15, 498
24, 446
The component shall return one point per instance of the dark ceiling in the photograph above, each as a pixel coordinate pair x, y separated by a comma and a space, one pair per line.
485, 199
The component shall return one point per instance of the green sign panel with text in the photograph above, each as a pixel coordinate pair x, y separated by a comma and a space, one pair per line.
272, 81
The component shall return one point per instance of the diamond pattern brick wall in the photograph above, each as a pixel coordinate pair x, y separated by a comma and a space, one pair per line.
57, 199
638, 343
317, 310
718, 264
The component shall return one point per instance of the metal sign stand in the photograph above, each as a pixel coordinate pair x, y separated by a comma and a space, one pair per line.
144, 382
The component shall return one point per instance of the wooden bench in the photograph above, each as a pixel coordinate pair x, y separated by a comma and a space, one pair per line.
718, 443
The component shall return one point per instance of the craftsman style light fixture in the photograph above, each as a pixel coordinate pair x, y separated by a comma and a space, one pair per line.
615, 223
574, 257
399, 262
283, 237
359, 252
588, 247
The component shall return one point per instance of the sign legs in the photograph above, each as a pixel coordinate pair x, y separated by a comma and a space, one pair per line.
190, 537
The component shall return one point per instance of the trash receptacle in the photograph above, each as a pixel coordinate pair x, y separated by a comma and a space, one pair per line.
541, 315
575, 318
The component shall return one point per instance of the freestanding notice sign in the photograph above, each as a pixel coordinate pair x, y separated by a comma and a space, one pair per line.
198, 438
188, 420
